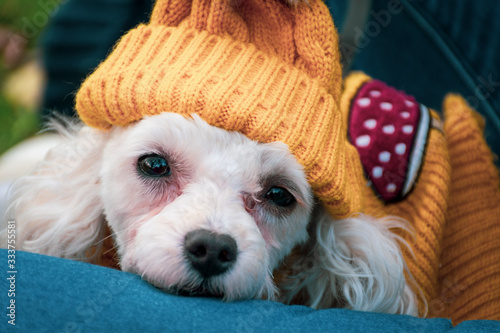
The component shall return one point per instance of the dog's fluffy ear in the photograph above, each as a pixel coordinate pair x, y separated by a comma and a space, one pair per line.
355, 263
57, 210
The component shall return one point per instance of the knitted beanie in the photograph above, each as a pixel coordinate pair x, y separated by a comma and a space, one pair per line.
262, 68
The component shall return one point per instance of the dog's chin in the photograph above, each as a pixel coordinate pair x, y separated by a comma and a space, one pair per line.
199, 291
219, 287
205, 289
208, 289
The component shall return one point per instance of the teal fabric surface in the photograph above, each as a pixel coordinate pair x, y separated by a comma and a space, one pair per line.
59, 295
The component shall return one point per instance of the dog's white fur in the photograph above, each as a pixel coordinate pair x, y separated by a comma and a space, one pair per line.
217, 183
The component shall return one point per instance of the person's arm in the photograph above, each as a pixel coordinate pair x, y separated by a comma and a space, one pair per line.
58, 295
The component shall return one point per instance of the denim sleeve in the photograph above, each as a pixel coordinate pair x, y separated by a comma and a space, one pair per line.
429, 48
78, 37
59, 295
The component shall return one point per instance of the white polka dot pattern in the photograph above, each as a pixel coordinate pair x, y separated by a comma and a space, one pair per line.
377, 172
363, 141
404, 114
386, 106
387, 126
400, 148
391, 187
409, 104
384, 157
388, 129
370, 123
408, 129
363, 102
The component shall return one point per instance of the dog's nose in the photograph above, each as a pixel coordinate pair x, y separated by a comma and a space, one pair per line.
210, 253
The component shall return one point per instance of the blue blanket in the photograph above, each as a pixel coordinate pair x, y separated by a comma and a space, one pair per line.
58, 295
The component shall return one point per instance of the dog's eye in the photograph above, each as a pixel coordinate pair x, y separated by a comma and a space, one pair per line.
280, 196
153, 165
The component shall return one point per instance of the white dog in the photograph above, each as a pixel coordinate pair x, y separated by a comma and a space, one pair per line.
198, 210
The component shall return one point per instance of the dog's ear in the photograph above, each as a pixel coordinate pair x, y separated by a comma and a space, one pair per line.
57, 210
355, 263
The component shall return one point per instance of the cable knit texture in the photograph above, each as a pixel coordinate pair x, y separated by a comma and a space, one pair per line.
454, 210
257, 67
470, 272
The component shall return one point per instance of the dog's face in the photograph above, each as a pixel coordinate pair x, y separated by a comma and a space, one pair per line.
199, 210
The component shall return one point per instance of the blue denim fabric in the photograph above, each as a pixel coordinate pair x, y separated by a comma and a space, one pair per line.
429, 48
58, 295
79, 36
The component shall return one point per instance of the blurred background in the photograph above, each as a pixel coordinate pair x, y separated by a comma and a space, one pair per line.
47, 47
21, 77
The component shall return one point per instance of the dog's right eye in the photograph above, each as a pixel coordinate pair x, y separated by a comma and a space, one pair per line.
154, 165
280, 196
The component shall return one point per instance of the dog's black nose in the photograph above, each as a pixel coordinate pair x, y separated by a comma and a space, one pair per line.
210, 253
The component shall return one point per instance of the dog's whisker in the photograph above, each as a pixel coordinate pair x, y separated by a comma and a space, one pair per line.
111, 235
114, 248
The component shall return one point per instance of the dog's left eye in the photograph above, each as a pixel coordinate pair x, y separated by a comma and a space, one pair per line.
280, 196
153, 165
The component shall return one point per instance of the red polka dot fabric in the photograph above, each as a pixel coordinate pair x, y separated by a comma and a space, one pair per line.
389, 129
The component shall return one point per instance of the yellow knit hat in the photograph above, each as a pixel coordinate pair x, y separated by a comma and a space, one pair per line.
261, 68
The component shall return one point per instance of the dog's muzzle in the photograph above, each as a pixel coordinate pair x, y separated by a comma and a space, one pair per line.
210, 253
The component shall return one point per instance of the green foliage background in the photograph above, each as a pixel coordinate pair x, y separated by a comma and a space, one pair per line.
17, 122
